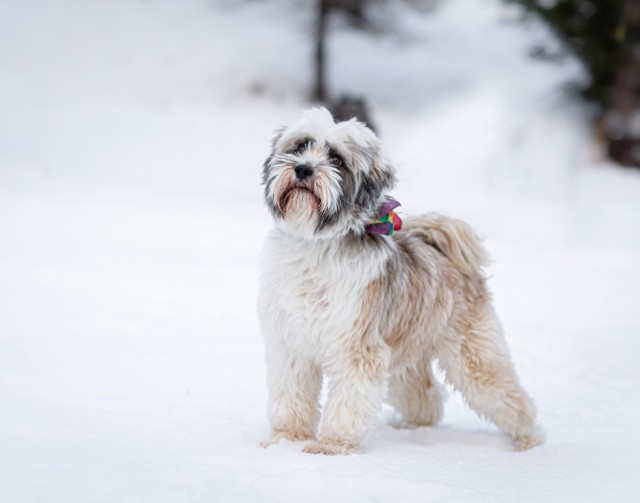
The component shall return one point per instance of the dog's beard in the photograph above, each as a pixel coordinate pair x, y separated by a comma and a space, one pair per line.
299, 202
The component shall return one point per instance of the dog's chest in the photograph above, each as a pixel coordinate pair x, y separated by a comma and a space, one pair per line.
313, 290
310, 295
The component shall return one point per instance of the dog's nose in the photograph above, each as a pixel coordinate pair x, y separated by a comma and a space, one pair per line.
303, 171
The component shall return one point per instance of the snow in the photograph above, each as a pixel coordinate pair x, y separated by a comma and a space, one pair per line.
131, 138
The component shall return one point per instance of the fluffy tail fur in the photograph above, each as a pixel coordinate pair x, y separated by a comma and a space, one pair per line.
454, 238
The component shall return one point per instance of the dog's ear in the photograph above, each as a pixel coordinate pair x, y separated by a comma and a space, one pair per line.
367, 195
274, 143
276, 136
380, 178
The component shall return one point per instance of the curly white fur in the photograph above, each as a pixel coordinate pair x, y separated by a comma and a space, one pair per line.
369, 313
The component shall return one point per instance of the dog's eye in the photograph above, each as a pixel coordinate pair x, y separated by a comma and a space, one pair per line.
337, 160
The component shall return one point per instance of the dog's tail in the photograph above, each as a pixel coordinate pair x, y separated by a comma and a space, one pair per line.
454, 238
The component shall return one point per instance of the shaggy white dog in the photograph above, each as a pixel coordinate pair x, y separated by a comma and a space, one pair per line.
345, 298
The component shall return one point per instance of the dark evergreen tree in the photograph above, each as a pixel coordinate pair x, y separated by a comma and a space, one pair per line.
345, 107
355, 13
605, 36
355, 10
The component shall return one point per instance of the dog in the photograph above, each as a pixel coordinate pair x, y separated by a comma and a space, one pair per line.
352, 299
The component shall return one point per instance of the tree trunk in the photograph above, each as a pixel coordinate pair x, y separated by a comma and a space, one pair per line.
622, 121
319, 92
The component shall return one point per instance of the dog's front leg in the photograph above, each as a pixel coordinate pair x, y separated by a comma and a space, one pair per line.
294, 384
355, 393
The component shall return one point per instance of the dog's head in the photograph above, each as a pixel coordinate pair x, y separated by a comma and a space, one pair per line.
325, 179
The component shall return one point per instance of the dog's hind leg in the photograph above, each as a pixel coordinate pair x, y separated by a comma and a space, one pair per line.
478, 364
417, 395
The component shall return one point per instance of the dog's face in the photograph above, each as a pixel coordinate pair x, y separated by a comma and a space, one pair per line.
325, 179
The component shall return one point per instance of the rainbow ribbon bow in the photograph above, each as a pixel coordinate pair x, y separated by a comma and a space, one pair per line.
388, 221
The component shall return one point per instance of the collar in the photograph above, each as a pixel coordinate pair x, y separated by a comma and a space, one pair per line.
388, 221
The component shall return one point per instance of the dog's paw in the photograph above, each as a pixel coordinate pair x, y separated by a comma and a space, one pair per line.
327, 448
270, 441
294, 436
526, 442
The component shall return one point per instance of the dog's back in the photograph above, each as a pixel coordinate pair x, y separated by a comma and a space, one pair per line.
454, 238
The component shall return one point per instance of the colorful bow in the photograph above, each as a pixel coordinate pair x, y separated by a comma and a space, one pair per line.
387, 221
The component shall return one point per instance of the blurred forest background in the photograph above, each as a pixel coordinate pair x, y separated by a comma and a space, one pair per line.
132, 135
604, 35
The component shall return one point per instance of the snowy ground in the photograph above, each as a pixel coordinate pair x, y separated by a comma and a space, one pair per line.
131, 138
